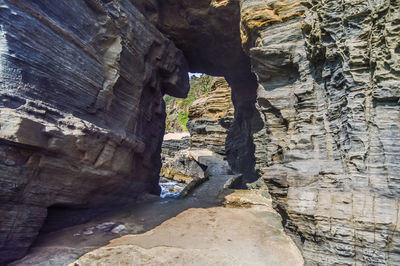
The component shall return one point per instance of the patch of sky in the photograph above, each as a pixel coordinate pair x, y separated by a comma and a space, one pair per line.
195, 74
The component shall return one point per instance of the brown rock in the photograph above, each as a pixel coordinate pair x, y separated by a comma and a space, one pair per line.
210, 117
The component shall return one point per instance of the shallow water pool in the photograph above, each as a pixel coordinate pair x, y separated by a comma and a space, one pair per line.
170, 188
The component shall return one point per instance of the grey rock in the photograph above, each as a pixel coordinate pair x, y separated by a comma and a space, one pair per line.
81, 109
88, 231
106, 226
118, 229
172, 146
328, 146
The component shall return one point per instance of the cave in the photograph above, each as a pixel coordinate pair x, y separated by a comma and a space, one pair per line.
315, 127
60, 216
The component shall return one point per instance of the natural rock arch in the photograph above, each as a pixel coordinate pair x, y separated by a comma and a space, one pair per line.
315, 88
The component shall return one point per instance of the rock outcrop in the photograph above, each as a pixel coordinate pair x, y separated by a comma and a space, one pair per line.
174, 142
182, 168
210, 117
81, 109
328, 99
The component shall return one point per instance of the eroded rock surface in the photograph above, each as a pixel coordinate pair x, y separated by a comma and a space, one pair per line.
246, 232
82, 115
210, 117
329, 104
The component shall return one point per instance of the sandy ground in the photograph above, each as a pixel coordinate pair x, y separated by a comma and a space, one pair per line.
176, 136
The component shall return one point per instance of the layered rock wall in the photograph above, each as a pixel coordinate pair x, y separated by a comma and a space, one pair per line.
81, 109
82, 115
329, 101
210, 117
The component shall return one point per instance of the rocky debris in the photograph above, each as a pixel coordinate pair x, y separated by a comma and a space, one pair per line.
202, 237
210, 117
88, 231
103, 227
81, 110
220, 178
118, 229
234, 181
249, 199
106, 227
326, 143
182, 168
193, 167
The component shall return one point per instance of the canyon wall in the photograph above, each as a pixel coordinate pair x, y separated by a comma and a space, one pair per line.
81, 110
328, 96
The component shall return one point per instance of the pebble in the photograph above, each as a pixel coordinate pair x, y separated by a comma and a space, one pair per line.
118, 229
105, 227
88, 231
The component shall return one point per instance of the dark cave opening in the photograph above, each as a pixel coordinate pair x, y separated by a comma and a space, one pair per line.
61, 216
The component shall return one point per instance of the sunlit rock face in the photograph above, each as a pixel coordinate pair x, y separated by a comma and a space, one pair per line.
329, 101
81, 109
210, 117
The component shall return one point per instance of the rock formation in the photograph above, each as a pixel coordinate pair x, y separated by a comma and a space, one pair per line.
328, 148
315, 86
82, 116
208, 33
210, 118
182, 168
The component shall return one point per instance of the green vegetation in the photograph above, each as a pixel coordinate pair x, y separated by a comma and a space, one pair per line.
183, 118
168, 99
178, 109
